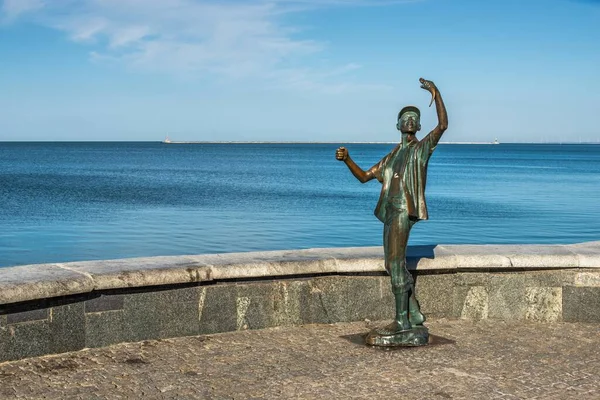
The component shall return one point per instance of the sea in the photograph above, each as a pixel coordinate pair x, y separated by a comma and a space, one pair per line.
71, 201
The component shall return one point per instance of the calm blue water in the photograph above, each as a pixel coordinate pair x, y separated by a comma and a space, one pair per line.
83, 201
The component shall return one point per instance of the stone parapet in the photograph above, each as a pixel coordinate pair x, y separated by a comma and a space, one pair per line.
32, 282
55, 308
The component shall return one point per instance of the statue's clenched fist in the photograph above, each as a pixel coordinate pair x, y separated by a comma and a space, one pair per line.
341, 153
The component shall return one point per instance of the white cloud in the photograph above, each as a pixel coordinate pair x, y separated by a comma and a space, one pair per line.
11, 9
234, 38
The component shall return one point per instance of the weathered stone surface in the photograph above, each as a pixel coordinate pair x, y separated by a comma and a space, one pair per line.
353, 298
62, 330
67, 328
543, 257
588, 254
161, 314
254, 306
29, 339
41, 281
581, 304
105, 328
472, 360
140, 314
506, 295
544, 304
219, 293
478, 257
354, 259
140, 272
476, 303
267, 264
105, 302
217, 306
313, 305
519, 256
434, 293
591, 279
510, 296
289, 302
28, 316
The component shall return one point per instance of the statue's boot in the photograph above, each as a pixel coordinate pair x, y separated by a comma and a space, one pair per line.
402, 301
415, 316
400, 332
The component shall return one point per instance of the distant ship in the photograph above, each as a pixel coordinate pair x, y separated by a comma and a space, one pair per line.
167, 140
494, 142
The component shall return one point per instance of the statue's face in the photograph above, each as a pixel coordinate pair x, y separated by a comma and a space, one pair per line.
409, 122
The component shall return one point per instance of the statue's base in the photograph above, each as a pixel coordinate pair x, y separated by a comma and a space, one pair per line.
417, 336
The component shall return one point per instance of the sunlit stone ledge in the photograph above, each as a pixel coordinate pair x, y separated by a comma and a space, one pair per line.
35, 282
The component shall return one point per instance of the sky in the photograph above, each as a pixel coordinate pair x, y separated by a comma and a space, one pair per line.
297, 70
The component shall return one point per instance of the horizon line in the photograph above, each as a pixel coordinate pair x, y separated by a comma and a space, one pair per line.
272, 142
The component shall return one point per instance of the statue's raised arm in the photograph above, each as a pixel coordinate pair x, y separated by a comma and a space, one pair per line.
436, 97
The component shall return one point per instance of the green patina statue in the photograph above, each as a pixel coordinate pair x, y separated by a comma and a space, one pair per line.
403, 174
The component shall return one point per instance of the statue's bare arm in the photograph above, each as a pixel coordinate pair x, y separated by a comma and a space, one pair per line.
442, 125
363, 176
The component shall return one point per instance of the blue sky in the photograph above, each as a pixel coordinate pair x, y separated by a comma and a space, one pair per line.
297, 70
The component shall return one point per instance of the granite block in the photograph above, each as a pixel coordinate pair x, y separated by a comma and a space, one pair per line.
290, 301
587, 278
459, 295
476, 303
313, 308
544, 304
217, 306
24, 340
161, 314
434, 293
67, 328
472, 279
581, 304
353, 298
255, 305
27, 316
105, 302
506, 296
4, 340
105, 328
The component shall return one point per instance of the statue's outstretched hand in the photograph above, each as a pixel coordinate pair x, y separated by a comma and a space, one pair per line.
341, 154
430, 87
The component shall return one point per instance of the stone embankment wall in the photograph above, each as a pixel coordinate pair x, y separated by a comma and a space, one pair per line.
54, 308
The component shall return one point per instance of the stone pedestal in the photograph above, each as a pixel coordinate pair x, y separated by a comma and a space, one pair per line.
416, 336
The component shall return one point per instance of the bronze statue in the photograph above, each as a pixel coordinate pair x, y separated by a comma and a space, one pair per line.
403, 173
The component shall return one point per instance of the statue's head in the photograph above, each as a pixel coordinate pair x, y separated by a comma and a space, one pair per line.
409, 120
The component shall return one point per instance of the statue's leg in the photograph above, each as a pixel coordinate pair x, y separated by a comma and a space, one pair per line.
396, 231
406, 330
415, 316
